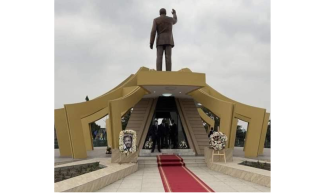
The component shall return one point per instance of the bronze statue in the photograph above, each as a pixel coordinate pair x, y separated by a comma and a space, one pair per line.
163, 25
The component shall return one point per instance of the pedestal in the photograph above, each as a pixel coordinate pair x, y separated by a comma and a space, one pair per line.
118, 157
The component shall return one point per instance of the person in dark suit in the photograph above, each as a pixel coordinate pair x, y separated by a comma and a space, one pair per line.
163, 26
174, 134
156, 136
167, 133
163, 128
211, 132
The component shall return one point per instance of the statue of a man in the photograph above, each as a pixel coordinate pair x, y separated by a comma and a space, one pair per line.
163, 25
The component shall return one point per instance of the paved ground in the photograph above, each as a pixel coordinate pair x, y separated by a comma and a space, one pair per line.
99, 152
144, 180
148, 180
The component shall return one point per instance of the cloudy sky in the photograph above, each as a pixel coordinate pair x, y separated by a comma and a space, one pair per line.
98, 43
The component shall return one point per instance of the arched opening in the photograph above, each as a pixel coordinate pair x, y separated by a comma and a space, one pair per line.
98, 132
267, 143
125, 118
212, 116
56, 143
241, 133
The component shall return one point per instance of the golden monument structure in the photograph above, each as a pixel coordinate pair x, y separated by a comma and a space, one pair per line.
141, 91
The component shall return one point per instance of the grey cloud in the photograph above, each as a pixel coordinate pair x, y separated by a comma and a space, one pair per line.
99, 43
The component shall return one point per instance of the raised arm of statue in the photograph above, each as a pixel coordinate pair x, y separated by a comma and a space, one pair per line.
174, 16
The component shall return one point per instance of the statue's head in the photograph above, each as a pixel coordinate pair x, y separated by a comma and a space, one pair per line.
162, 11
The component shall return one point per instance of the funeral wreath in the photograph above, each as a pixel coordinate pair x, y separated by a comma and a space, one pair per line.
218, 140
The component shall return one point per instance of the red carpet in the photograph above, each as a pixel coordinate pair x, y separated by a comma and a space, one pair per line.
177, 178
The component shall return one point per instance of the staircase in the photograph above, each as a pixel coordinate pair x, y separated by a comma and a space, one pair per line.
170, 161
195, 125
181, 152
139, 117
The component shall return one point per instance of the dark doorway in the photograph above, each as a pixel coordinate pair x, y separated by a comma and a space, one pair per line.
172, 134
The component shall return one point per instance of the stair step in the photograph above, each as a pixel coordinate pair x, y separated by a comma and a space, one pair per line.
184, 160
190, 161
187, 165
171, 164
181, 152
171, 160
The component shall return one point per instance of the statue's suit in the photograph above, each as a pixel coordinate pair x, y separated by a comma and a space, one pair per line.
163, 25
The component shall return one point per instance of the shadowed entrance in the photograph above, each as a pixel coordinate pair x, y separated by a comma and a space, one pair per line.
171, 131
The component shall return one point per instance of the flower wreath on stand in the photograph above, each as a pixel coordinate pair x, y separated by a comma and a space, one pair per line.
183, 145
148, 144
218, 141
124, 147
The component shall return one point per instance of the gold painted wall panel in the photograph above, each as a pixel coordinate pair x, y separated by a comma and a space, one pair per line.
224, 110
62, 132
263, 134
78, 116
170, 78
115, 107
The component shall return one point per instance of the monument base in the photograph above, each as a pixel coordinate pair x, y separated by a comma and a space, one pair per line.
118, 157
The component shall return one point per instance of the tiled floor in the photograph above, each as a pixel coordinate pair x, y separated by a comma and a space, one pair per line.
144, 180
220, 182
148, 180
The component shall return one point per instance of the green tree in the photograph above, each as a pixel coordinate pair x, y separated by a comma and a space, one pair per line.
268, 136
125, 119
240, 132
240, 136
93, 126
205, 125
56, 144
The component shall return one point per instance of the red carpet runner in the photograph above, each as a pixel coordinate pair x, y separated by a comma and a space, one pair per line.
177, 178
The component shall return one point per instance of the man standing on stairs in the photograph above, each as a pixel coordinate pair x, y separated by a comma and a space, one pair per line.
156, 136
163, 25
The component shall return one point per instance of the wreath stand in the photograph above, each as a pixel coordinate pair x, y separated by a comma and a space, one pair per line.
219, 154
